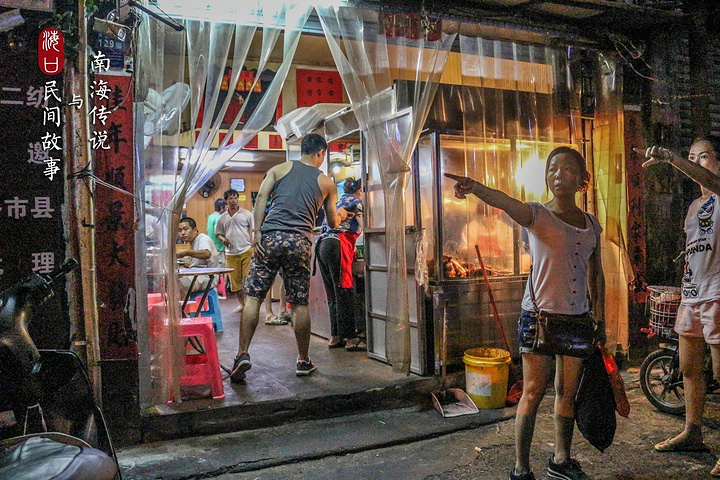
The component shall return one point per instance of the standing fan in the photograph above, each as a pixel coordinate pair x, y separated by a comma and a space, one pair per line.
163, 109
211, 186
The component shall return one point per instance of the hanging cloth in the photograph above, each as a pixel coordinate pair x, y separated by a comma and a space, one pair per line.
347, 254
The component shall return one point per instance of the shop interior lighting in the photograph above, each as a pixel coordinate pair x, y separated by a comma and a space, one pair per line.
233, 163
531, 175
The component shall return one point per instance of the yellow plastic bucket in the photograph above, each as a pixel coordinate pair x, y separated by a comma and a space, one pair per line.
486, 376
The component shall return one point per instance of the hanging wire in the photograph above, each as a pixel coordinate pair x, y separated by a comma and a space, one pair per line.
85, 174
634, 54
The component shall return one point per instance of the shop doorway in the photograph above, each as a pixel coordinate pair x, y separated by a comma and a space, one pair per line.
272, 377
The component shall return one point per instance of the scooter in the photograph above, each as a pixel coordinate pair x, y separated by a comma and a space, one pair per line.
50, 423
660, 378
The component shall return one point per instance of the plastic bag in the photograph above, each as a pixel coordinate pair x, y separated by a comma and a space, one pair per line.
622, 406
421, 266
595, 403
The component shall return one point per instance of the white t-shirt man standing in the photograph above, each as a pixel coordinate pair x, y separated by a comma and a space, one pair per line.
235, 229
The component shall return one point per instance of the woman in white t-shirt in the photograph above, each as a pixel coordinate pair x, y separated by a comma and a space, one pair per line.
565, 250
698, 318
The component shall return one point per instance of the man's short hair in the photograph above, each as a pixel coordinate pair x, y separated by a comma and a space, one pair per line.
312, 144
230, 191
189, 221
219, 204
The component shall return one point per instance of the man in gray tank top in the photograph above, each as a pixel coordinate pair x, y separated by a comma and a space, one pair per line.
296, 191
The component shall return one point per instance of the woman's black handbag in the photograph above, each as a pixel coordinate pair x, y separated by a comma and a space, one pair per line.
572, 335
558, 334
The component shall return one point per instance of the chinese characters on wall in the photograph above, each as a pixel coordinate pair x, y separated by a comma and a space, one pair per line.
33, 182
110, 117
318, 86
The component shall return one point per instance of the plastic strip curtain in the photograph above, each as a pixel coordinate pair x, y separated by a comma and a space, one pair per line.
288, 18
509, 119
376, 71
209, 45
155, 183
520, 102
610, 193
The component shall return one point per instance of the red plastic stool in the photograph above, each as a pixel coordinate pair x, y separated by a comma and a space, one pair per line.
155, 299
202, 369
191, 307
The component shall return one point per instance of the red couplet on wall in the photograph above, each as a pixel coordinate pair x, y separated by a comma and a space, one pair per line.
115, 219
318, 86
51, 48
275, 142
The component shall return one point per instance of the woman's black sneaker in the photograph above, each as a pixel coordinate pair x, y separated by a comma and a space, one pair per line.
522, 476
570, 469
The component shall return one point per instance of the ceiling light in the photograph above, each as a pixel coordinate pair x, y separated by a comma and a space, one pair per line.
233, 163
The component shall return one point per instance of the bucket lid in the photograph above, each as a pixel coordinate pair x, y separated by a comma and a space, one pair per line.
494, 355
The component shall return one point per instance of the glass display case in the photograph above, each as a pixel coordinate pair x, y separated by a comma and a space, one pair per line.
513, 166
456, 291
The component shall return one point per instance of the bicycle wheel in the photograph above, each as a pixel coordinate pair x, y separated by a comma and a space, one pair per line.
662, 383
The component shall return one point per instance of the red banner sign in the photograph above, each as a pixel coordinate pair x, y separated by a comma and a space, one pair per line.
115, 217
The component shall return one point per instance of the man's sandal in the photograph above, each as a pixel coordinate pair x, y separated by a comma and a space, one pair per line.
671, 445
275, 321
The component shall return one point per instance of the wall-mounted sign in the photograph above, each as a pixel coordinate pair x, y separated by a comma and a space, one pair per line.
115, 217
249, 89
237, 184
318, 86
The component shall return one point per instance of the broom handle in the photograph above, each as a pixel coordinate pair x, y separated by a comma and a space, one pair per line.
444, 342
492, 300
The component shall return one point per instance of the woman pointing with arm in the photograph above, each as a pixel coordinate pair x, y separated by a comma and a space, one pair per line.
565, 250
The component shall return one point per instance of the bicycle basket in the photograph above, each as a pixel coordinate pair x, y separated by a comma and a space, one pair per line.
663, 303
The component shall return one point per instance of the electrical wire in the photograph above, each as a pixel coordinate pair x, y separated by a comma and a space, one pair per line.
85, 174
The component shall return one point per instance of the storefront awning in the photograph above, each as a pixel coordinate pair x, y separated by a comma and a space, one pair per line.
578, 21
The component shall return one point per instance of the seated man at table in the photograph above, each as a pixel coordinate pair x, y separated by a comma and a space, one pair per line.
202, 253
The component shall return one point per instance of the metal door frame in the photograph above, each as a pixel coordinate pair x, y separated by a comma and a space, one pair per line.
420, 348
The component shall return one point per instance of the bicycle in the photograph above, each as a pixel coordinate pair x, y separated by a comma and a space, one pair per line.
660, 377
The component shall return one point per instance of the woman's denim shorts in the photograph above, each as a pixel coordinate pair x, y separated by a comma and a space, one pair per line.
526, 333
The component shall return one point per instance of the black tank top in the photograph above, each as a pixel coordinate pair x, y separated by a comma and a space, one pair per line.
294, 201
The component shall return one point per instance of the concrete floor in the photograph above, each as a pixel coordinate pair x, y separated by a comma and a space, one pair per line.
272, 377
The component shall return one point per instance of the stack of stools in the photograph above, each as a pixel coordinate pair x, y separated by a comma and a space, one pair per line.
211, 307
202, 368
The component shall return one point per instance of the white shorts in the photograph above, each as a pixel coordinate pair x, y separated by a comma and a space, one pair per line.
701, 320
